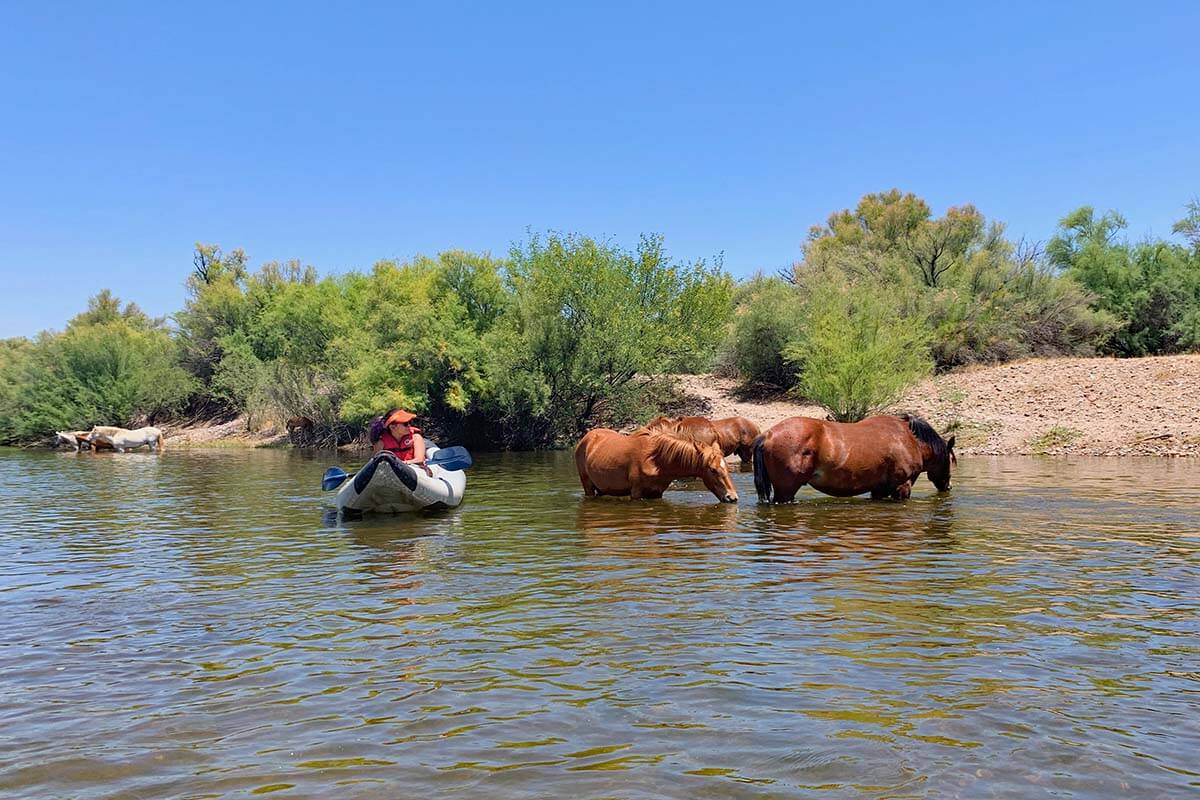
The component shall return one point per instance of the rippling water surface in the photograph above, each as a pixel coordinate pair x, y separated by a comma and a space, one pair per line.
199, 625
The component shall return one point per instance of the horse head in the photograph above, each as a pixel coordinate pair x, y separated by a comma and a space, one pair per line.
715, 473
939, 452
938, 468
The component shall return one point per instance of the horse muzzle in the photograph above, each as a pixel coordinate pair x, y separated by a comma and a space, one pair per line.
730, 498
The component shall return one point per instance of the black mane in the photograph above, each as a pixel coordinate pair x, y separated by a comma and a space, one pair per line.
925, 433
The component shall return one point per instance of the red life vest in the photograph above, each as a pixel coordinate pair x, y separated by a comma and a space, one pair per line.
403, 448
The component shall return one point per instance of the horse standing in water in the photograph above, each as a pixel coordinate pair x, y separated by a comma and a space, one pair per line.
695, 429
881, 455
737, 435
643, 464
122, 439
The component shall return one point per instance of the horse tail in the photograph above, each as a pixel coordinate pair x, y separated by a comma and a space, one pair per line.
762, 481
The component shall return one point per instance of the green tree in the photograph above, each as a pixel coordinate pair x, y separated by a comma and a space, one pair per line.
985, 298
110, 366
857, 351
588, 323
768, 315
1152, 287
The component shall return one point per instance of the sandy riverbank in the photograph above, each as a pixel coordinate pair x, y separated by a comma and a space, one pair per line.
1060, 406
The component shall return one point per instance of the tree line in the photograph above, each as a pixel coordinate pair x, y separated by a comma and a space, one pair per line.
566, 332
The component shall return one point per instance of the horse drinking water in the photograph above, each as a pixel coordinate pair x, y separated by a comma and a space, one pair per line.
643, 464
122, 439
881, 455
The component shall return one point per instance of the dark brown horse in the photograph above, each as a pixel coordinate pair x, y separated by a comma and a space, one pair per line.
880, 455
695, 429
643, 464
737, 435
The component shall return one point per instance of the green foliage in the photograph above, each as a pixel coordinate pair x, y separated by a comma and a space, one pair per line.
110, 366
858, 350
216, 307
768, 314
586, 320
418, 345
985, 298
1152, 288
240, 380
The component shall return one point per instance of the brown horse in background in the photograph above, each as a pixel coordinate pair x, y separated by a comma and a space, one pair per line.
881, 455
737, 435
695, 429
643, 464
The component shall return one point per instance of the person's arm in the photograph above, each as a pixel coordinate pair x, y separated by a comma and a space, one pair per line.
418, 449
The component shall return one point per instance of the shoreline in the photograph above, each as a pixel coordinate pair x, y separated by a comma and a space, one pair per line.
1044, 406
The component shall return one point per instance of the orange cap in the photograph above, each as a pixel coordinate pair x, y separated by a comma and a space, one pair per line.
401, 416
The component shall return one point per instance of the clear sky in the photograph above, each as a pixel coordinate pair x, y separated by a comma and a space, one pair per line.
340, 134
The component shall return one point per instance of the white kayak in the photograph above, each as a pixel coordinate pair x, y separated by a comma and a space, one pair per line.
387, 485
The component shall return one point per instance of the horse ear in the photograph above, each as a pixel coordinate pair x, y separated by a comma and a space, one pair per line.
950, 450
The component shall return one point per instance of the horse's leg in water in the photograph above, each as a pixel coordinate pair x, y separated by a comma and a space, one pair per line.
791, 480
903, 491
589, 488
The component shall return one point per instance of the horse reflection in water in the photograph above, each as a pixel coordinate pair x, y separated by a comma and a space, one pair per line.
880, 455
664, 531
839, 539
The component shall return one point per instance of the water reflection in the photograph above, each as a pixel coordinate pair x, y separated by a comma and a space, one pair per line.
200, 624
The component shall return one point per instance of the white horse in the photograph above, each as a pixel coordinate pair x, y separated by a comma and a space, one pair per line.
74, 440
122, 439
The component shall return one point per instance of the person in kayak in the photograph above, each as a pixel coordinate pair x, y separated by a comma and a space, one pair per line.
401, 437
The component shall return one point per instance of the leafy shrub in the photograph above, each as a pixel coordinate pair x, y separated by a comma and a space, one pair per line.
856, 352
586, 319
109, 367
1151, 288
768, 314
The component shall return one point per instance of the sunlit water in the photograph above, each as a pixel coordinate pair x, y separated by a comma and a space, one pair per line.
199, 625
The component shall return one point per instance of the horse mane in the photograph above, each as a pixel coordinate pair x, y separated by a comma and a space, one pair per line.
924, 432
674, 449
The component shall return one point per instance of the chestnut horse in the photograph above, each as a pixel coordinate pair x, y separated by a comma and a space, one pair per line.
737, 435
880, 455
695, 429
643, 464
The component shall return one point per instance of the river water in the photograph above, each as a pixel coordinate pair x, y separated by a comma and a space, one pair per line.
198, 624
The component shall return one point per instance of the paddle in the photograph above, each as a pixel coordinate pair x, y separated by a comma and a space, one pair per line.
451, 458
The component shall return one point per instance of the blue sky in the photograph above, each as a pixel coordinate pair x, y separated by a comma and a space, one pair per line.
344, 135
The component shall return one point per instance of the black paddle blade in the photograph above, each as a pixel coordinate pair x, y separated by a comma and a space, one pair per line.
452, 458
333, 478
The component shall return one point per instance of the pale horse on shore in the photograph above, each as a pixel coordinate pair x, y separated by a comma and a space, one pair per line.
123, 439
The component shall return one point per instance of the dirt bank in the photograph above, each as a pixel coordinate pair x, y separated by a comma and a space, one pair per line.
1080, 406
1076, 406
231, 433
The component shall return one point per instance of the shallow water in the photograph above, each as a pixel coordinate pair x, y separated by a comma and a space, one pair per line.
199, 625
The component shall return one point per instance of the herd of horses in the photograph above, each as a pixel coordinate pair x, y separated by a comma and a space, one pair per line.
881, 456
108, 437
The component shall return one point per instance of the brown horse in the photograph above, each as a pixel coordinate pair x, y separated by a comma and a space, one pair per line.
643, 464
695, 429
880, 455
737, 435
